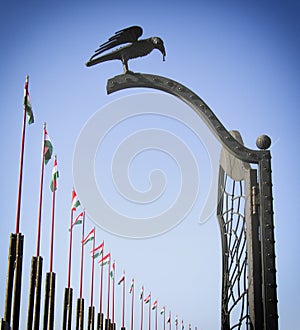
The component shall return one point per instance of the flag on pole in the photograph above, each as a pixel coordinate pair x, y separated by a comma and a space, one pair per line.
131, 286
176, 320
98, 251
122, 279
147, 299
48, 148
105, 260
154, 305
112, 271
90, 236
169, 319
55, 175
142, 293
27, 103
162, 310
78, 220
75, 200
182, 325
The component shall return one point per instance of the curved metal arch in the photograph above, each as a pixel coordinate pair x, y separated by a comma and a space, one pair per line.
260, 157
132, 80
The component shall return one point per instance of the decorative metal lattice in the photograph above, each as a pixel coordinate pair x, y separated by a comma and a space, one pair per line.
235, 306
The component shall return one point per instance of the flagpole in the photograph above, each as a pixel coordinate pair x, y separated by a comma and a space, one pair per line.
33, 315
142, 307
132, 305
49, 304
18, 211
91, 309
108, 290
100, 322
149, 316
101, 282
107, 321
15, 258
68, 300
170, 324
113, 296
100, 317
82, 257
156, 317
80, 301
93, 265
70, 249
123, 303
164, 318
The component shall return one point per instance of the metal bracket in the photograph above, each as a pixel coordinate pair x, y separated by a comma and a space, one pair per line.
254, 199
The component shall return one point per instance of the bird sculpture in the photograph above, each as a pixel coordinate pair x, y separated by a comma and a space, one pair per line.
134, 48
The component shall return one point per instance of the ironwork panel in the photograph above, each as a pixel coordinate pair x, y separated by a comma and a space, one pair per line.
245, 213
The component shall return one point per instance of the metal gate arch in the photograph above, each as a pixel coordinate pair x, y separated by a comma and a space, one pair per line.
261, 285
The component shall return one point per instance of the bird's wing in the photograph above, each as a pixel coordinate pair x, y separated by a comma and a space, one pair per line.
127, 35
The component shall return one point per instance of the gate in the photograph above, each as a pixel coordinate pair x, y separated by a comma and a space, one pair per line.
245, 214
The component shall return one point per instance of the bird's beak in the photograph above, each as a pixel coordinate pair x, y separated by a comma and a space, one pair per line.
163, 51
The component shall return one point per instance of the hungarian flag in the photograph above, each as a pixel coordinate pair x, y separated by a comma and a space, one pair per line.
78, 220
105, 260
154, 305
75, 200
55, 175
142, 293
90, 236
176, 320
48, 148
169, 319
98, 251
162, 310
131, 286
112, 271
182, 325
147, 299
27, 104
122, 279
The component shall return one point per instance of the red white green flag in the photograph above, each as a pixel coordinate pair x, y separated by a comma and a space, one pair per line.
55, 175
75, 200
147, 299
122, 279
142, 293
182, 325
176, 320
105, 260
78, 220
90, 236
169, 319
154, 305
98, 250
112, 271
48, 148
27, 103
131, 286
163, 310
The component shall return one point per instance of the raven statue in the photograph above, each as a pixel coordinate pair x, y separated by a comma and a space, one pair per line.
135, 48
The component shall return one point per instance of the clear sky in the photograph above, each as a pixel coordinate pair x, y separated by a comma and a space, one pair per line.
241, 58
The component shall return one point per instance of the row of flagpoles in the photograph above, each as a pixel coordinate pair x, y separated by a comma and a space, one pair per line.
11, 316
97, 252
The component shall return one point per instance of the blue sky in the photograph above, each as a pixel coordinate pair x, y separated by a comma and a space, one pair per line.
241, 58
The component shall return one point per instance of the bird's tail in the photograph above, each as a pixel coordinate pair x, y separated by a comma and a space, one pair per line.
100, 59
